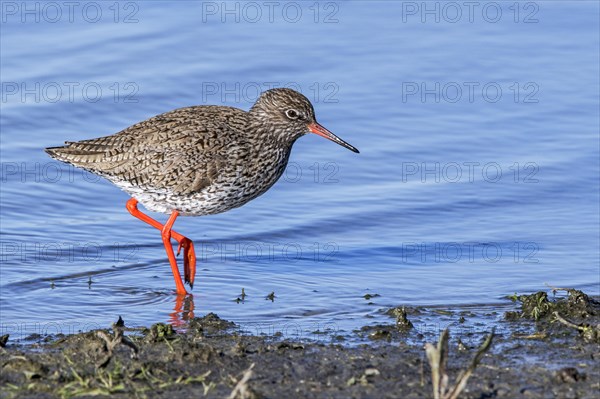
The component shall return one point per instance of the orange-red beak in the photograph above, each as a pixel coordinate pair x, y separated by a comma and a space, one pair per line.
321, 131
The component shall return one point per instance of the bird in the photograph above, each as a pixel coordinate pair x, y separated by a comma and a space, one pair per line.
199, 160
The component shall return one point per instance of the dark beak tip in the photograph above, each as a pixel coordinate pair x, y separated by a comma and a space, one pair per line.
321, 131
350, 147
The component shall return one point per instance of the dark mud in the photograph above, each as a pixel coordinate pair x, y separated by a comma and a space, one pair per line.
533, 355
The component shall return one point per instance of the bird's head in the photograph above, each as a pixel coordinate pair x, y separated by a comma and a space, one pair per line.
290, 115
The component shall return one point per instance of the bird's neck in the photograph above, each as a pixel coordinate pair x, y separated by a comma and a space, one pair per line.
267, 136
269, 143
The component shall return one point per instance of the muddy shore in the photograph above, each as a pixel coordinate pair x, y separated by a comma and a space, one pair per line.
546, 345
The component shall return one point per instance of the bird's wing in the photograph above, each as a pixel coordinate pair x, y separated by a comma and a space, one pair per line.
183, 151
179, 167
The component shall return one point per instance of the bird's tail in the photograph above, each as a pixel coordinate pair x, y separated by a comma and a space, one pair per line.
61, 153
78, 153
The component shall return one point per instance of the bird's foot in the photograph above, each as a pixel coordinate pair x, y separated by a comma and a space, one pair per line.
189, 260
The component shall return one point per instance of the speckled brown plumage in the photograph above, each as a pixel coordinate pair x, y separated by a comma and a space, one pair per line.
200, 160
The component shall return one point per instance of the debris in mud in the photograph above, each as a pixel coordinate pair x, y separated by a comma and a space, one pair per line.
366, 378
388, 332
569, 375
290, 345
589, 332
402, 322
241, 298
111, 342
537, 306
438, 358
210, 324
379, 332
159, 332
571, 311
241, 389
370, 296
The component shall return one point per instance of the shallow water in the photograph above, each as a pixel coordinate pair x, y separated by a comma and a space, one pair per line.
478, 172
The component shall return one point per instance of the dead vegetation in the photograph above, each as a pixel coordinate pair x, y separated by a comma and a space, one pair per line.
572, 310
438, 359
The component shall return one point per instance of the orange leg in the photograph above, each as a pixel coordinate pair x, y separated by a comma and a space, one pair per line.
166, 237
189, 255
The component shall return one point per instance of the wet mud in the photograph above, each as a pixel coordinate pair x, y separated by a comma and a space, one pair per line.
546, 345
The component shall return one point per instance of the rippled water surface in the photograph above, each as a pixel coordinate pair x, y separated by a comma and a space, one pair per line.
477, 177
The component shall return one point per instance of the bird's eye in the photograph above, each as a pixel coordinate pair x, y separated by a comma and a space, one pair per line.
292, 114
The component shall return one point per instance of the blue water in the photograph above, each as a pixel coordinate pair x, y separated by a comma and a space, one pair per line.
478, 174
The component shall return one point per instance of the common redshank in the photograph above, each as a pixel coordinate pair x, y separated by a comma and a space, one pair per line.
199, 160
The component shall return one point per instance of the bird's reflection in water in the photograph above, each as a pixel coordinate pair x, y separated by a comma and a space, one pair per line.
183, 311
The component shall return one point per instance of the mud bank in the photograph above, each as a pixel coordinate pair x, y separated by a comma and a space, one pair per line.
545, 346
